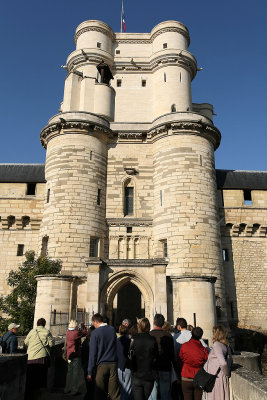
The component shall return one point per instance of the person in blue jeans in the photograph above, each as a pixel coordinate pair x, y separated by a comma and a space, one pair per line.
124, 372
165, 360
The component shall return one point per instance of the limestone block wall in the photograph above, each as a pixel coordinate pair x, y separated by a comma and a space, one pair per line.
21, 229
76, 177
136, 244
132, 92
123, 157
185, 209
244, 241
171, 90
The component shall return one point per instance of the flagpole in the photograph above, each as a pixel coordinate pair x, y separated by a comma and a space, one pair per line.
121, 13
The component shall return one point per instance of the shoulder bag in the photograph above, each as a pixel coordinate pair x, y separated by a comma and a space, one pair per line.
204, 380
47, 358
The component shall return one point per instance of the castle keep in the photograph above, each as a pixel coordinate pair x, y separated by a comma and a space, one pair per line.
130, 200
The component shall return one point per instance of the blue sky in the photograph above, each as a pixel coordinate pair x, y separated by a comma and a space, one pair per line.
228, 38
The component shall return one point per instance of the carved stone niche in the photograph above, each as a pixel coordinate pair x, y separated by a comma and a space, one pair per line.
131, 171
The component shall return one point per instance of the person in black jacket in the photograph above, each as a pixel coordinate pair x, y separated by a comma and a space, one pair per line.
143, 354
165, 360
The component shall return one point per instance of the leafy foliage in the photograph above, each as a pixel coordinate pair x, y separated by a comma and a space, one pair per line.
20, 303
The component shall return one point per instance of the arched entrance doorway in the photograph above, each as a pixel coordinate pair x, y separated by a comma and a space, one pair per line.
128, 303
115, 290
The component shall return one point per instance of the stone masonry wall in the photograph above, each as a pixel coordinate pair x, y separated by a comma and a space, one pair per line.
75, 171
187, 216
243, 232
14, 202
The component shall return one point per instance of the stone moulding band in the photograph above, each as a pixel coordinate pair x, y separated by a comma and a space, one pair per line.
112, 35
84, 127
57, 277
184, 61
150, 262
176, 128
191, 278
107, 32
182, 127
129, 222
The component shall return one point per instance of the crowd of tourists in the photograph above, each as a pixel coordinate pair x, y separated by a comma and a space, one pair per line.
140, 363
135, 363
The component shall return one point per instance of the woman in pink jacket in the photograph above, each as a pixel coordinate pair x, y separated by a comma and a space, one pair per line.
219, 357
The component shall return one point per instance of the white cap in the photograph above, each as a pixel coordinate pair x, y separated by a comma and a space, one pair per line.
13, 326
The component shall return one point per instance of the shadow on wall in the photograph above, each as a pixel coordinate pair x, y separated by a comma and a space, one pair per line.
252, 341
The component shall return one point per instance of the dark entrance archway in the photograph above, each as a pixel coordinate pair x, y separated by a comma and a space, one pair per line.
128, 303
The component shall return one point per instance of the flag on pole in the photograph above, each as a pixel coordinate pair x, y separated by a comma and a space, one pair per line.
122, 17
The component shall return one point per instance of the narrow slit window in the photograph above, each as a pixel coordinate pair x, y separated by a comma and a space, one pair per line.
165, 77
98, 197
118, 82
247, 198
91, 155
143, 83
180, 76
128, 201
20, 250
31, 189
48, 196
225, 254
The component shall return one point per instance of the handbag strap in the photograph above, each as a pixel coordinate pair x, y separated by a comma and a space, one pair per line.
42, 343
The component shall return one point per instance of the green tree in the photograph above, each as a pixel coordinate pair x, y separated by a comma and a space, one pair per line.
20, 303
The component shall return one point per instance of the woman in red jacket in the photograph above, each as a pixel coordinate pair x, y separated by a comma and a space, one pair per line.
191, 357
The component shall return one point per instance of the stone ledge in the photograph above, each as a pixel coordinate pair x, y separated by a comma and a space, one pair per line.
246, 384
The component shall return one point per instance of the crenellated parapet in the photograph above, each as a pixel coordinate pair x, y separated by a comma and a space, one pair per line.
244, 230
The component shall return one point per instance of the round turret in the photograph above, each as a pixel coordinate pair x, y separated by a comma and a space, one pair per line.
174, 68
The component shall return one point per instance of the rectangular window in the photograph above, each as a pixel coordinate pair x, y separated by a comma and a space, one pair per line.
20, 250
129, 229
143, 83
98, 197
44, 249
165, 45
225, 254
48, 196
165, 248
94, 247
31, 189
91, 155
98, 45
247, 198
118, 82
118, 52
128, 209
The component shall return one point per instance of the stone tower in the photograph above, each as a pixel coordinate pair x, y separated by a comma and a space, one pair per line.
131, 185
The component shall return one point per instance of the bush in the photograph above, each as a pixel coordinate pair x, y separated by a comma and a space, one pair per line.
19, 305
